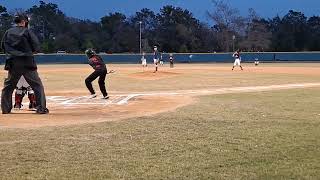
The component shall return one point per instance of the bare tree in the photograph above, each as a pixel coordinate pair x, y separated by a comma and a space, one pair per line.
258, 36
228, 23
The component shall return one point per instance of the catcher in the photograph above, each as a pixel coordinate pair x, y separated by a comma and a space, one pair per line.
100, 70
22, 89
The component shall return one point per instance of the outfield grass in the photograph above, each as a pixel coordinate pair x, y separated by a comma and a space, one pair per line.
265, 135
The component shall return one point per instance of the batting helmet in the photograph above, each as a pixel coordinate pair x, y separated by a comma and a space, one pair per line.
90, 53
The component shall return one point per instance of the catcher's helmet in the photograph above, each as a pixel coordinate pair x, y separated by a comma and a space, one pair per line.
90, 52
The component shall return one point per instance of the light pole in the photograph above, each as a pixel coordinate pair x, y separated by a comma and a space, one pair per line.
233, 39
29, 19
140, 23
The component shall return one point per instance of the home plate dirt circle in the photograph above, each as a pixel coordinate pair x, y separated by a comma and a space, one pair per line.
81, 110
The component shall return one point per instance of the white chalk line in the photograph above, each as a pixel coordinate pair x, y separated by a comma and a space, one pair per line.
126, 99
230, 90
123, 99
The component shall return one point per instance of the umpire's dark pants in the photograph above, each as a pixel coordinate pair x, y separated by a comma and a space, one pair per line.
10, 83
102, 76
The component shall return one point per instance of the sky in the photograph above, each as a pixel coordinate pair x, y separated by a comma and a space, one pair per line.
95, 9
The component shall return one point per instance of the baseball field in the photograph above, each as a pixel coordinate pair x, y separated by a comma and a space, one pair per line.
195, 121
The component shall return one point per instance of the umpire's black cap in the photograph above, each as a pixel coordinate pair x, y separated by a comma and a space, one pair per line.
20, 17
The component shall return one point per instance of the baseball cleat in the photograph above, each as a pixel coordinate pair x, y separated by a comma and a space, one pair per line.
92, 96
17, 106
105, 97
32, 105
41, 110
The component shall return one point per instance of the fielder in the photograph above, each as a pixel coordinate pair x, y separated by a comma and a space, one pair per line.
161, 59
256, 62
22, 89
237, 60
144, 61
100, 70
156, 56
171, 59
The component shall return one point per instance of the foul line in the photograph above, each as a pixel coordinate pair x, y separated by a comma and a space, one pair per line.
230, 90
125, 98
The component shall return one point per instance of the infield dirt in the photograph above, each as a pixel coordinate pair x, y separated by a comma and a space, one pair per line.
145, 93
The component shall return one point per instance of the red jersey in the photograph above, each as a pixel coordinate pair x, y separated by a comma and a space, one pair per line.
97, 63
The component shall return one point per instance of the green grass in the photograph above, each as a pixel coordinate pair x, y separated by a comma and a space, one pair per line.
265, 135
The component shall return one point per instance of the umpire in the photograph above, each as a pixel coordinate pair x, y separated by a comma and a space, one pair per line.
19, 44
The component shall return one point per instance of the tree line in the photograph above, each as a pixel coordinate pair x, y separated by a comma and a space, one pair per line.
173, 29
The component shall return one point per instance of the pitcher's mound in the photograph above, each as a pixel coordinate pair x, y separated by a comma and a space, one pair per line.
150, 75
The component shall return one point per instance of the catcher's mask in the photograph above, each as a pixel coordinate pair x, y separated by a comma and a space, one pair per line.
90, 53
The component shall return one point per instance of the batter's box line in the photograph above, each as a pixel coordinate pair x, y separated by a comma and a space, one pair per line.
125, 100
69, 102
83, 100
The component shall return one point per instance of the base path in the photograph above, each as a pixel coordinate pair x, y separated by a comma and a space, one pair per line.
223, 90
81, 110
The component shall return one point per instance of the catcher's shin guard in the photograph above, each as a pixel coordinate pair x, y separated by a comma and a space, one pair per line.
32, 99
18, 99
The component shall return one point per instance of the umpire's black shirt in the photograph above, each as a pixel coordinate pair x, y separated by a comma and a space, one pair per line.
19, 43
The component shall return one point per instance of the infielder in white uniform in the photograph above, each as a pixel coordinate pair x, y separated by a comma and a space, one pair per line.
237, 60
143, 61
22, 89
161, 59
256, 61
